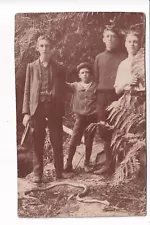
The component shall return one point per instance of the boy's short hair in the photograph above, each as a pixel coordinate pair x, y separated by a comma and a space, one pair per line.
84, 65
113, 29
44, 37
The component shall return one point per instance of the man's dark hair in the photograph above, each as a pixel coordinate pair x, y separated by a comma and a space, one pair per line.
112, 28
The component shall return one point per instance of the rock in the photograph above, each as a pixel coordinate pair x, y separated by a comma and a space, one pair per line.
97, 156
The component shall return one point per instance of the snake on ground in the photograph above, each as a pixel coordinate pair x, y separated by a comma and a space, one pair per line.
79, 196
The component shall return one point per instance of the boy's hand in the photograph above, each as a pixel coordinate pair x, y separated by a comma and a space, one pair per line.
26, 119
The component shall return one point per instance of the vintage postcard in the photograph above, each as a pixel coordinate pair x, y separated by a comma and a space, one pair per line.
75, 91
81, 114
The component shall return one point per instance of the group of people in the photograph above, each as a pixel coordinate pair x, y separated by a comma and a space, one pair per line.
100, 84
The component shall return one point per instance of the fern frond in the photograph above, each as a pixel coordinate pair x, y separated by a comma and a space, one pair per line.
122, 120
113, 115
122, 113
112, 106
136, 147
130, 164
125, 170
138, 68
116, 134
134, 122
127, 121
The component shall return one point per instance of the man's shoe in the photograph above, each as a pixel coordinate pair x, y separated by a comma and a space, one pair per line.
68, 169
87, 169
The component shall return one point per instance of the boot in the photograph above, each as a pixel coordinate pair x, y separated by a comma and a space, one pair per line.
68, 168
87, 169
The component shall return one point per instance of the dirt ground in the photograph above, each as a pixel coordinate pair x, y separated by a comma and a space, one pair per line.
61, 201
124, 200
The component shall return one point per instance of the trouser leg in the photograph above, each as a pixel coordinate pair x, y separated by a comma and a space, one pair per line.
38, 140
71, 153
89, 139
88, 150
56, 136
78, 131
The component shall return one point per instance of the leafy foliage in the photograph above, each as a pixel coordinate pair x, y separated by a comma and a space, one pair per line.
128, 117
75, 37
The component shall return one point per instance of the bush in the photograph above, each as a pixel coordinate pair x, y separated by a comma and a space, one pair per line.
128, 116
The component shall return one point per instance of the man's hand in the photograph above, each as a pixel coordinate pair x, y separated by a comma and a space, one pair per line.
92, 127
26, 119
100, 124
134, 81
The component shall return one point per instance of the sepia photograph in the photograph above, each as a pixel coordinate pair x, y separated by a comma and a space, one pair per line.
80, 84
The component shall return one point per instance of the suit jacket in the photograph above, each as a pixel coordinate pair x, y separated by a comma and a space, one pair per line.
33, 84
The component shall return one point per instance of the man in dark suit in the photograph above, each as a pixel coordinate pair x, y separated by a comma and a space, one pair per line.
43, 99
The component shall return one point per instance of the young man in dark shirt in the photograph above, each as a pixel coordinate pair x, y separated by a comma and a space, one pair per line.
105, 67
85, 109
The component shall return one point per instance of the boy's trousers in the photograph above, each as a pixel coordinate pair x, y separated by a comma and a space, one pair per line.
46, 110
81, 123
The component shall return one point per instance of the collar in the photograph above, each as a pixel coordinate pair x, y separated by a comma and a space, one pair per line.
38, 61
112, 50
44, 64
84, 87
